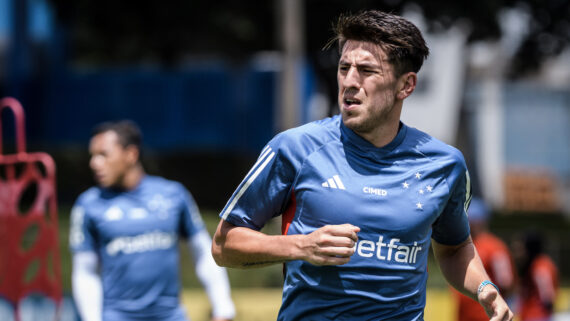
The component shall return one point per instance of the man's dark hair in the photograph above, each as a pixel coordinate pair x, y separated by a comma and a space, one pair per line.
400, 39
127, 131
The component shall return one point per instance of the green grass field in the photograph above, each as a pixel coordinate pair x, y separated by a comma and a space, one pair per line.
263, 305
255, 304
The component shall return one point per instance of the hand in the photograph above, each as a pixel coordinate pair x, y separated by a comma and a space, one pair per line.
330, 244
494, 305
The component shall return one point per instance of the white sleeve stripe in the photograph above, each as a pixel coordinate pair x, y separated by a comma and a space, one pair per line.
245, 186
264, 150
468, 194
264, 153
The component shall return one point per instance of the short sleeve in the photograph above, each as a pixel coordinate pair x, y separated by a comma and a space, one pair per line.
191, 220
452, 226
81, 233
265, 190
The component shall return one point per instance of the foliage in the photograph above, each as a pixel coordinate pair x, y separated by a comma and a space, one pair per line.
122, 32
168, 33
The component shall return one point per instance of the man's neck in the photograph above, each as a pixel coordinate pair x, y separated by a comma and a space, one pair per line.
385, 132
382, 136
133, 177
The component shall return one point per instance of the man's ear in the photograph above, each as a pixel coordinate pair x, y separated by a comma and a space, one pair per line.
406, 85
133, 154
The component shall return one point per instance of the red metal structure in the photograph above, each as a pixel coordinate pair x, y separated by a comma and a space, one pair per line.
29, 250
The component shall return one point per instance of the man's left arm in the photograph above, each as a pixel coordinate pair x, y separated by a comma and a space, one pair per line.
214, 279
463, 269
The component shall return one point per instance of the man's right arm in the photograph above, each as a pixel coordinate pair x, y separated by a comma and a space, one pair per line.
242, 247
86, 285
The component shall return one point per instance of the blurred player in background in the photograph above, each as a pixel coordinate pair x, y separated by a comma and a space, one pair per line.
124, 238
539, 280
361, 195
496, 258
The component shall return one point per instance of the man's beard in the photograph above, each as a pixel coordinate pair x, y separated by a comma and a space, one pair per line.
366, 124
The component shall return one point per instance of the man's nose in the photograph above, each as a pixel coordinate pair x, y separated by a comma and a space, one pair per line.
351, 79
94, 163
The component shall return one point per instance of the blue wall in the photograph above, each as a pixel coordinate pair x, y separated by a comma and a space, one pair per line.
218, 108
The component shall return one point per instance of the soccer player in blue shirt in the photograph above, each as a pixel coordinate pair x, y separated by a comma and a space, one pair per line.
362, 196
124, 238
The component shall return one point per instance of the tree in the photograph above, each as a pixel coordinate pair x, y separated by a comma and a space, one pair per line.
126, 32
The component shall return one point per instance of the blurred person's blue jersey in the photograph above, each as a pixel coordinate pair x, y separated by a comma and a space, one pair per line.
401, 195
135, 234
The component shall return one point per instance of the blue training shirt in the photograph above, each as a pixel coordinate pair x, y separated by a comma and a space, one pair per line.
401, 195
135, 234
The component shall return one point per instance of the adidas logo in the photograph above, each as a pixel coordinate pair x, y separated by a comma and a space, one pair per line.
334, 182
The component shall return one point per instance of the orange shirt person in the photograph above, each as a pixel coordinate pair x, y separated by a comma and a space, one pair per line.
540, 282
496, 259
